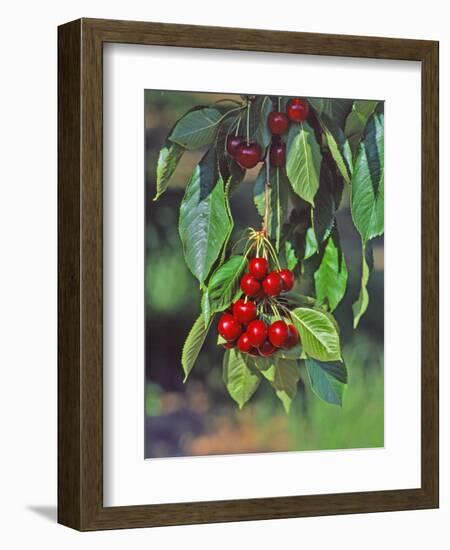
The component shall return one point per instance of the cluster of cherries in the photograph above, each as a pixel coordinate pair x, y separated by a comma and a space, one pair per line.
240, 326
247, 155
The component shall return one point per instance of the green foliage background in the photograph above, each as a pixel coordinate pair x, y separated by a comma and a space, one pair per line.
199, 418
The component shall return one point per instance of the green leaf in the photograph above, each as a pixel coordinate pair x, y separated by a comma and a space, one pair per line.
204, 221
290, 255
293, 353
241, 381
193, 344
263, 135
197, 128
257, 124
339, 147
356, 121
223, 286
361, 304
168, 160
328, 379
318, 333
323, 214
331, 276
311, 245
259, 190
230, 217
303, 161
367, 201
283, 375
278, 200
336, 109
206, 307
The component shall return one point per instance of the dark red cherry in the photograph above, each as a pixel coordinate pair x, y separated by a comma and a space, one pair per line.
278, 122
257, 333
278, 334
293, 337
287, 278
228, 327
272, 284
266, 349
233, 142
297, 109
244, 312
244, 344
228, 345
258, 267
261, 294
278, 154
249, 285
248, 156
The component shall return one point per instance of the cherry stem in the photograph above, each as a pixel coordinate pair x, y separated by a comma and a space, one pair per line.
229, 131
272, 252
238, 125
279, 103
265, 224
228, 100
248, 122
274, 308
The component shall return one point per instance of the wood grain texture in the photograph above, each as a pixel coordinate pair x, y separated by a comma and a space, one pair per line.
69, 245
80, 242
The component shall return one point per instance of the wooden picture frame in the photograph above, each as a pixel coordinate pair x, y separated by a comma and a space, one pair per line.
80, 272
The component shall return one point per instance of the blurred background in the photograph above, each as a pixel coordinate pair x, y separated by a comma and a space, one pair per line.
199, 417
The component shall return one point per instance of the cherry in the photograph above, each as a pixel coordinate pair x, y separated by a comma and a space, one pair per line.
278, 334
257, 333
228, 327
244, 312
278, 154
248, 156
287, 278
254, 351
244, 344
272, 284
297, 109
228, 345
278, 122
249, 285
266, 349
258, 268
293, 337
233, 142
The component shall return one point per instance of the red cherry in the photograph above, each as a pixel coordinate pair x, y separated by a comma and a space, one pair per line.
228, 345
244, 344
233, 142
258, 268
228, 327
257, 333
278, 122
244, 312
266, 349
249, 285
293, 337
278, 333
278, 154
272, 284
287, 278
248, 156
297, 109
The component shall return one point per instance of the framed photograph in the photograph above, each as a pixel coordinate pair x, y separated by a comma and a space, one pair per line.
248, 274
